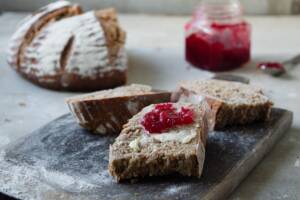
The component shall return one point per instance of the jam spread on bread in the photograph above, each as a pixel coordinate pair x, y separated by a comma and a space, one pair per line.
165, 116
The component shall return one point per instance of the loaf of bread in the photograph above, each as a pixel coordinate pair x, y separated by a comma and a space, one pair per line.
105, 112
59, 47
180, 148
232, 103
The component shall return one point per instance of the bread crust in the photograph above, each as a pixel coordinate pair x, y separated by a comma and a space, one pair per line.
129, 168
32, 24
29, 48
115, 36
240, 115
107, 116
75, 82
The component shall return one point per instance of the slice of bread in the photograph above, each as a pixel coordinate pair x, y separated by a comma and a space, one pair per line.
106, 111
231, 103
181, 149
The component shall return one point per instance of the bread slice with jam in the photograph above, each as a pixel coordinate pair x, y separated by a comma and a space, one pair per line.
162, 139
106, 111
232, 103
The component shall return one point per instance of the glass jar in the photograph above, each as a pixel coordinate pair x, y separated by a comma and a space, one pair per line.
217, 37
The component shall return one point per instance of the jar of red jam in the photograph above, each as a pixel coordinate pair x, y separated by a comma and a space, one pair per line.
217, 37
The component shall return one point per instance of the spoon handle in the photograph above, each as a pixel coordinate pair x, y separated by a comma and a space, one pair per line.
291, 63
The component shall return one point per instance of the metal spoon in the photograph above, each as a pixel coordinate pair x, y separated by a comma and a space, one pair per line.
278, 69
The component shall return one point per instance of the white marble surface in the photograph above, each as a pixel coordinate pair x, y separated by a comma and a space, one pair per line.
155, 45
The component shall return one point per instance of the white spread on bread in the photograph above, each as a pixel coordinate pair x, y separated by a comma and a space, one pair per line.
182, 134
135, 144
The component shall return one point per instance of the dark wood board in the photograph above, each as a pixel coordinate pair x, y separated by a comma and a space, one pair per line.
63, 161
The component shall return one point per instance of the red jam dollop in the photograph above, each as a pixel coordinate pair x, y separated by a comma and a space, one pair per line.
216, 46
165, 116
271, 65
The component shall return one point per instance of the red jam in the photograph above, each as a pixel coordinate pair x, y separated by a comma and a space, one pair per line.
271, 65
218, 47
164, 116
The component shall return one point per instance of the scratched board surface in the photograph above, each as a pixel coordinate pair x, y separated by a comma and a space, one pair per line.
63, 161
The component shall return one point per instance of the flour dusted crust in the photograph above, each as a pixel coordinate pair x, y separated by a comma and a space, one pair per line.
136, 154
33, 23
105, 112
77, 52
231, 103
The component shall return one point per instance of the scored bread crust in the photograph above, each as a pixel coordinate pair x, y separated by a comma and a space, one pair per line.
115, 36
107, 115
156, 159
32, 24
225, 113
70, 50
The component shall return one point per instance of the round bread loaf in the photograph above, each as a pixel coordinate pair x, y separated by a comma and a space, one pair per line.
61, 48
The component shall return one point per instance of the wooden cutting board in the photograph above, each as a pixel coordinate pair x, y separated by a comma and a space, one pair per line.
63, 161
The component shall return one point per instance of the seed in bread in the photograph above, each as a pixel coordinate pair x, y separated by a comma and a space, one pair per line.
232, 103
180, 148
59, 47
105, 112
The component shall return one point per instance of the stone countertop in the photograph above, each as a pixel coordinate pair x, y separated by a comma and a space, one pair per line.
156, 57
